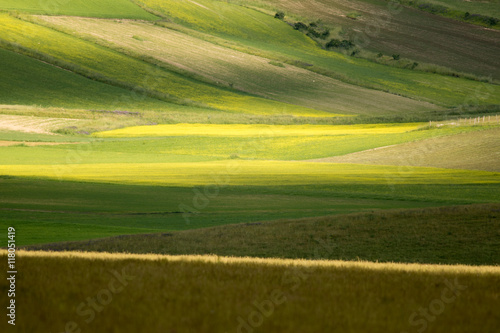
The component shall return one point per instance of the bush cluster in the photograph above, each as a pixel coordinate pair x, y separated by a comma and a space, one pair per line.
489, 20
312, 30
339, 44
432, 8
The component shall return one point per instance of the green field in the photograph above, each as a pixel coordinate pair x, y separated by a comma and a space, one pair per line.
457, 9
446, 235
26, 81
266, 37
179, 162
92, 8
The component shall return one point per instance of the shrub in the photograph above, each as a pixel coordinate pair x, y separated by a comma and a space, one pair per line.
395, 56
280, 15
353, 15
341, 44
325, 34
300, 26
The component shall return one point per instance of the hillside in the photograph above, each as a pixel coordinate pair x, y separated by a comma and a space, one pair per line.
453, 235
380, 26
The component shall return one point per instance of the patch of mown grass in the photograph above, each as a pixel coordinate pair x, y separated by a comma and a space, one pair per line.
92, 8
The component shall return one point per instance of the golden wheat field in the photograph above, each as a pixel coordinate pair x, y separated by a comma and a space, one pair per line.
144, 293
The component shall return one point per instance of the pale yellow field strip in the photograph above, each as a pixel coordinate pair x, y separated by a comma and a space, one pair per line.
420, 268
256, 130
33, 144
478, 150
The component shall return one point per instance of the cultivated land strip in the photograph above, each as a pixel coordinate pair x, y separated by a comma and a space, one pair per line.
231, 68
479, 150
406, 31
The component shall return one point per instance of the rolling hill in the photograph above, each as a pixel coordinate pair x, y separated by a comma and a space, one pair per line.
382, 26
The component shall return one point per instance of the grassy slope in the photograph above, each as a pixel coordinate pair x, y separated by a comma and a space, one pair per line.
411, 33
228, 67
200, 294
26, 81
473, 151
93, 8
452, 235
122, 70
485, 7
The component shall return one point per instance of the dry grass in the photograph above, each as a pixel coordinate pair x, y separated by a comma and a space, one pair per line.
478, 150
211, 294
34, 144
41, 125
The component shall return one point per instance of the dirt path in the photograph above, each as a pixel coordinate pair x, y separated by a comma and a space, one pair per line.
32, 144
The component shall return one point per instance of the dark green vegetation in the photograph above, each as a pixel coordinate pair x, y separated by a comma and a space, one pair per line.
52, 211
485, 13
26, 81
450, 235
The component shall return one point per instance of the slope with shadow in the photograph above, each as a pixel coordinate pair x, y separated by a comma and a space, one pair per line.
451, 235
26, 81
